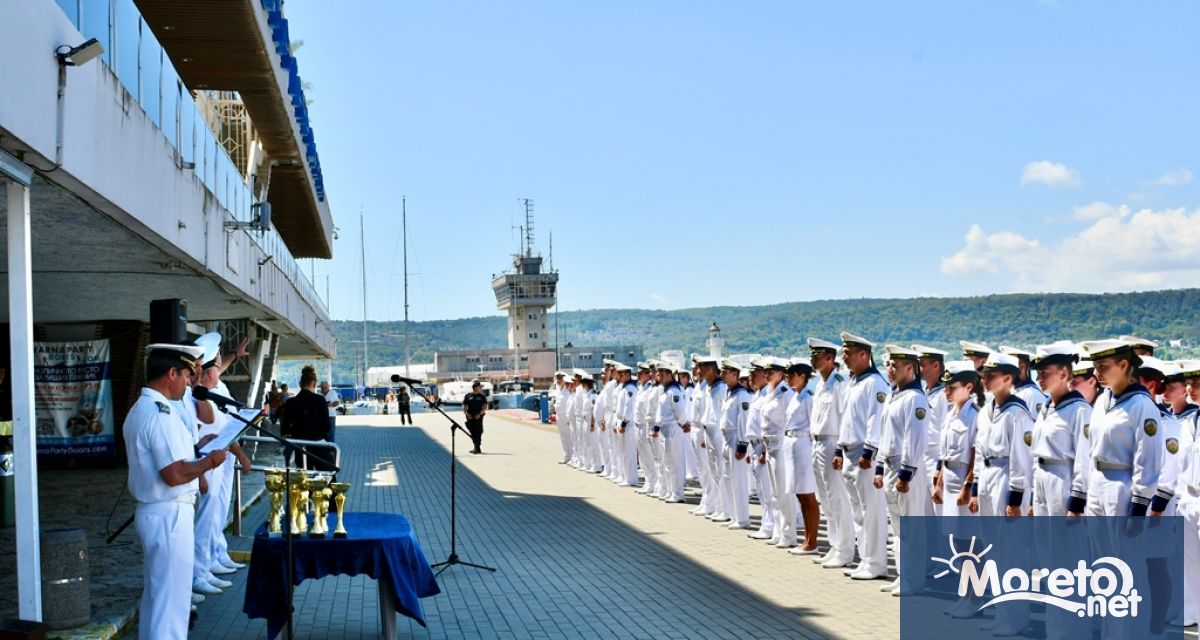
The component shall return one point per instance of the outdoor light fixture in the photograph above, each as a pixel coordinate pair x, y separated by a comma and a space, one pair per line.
74, 56
261, 221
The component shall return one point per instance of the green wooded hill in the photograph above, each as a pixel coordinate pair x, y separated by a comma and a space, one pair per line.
782, 329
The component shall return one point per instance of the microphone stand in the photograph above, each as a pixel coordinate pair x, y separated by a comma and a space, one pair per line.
296, 450
454, 429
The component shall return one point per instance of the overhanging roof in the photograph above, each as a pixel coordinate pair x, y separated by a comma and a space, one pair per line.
240, 45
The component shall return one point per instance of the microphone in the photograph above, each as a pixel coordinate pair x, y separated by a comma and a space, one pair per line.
201, 392
409, 381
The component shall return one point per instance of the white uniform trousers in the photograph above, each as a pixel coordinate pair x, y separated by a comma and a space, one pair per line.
834, 498
714, 450
910, 503
205, 526
658, 449
165, 529
646, 458
1189, 510
783, 503
993, 498
629, 455
690, 459
953, 476
1109, 492
931, 461
616, 454
220, 546
735, 482
676, 444
1051, 488
872, 506
704, 468
564, 436
766, 493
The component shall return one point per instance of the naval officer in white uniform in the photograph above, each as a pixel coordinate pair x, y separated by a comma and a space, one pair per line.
163, 473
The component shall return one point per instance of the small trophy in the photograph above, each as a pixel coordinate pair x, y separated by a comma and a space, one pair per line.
275, 486
316, 488
299, 510
339, 500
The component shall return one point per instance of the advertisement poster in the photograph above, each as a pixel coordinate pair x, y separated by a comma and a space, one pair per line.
73, 399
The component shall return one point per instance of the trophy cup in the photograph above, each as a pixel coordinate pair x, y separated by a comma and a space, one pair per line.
316, 488
339, 499
299, 513
275, 486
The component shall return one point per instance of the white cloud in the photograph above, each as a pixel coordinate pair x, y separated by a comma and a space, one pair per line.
1051, 174
1098, 211
658, 299
1142, 250
1173, 178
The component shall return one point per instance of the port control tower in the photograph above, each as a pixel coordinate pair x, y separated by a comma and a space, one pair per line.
527, 293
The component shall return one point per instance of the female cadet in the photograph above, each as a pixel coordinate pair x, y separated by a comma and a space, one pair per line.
956, 455
1127, 450
799, 479
1059, 446
1084, 382
774, 423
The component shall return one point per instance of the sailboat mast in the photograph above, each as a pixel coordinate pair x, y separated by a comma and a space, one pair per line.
362, 230
404, 228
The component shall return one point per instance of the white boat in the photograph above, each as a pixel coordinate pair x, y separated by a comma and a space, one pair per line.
364, 407
454, 391
511, 394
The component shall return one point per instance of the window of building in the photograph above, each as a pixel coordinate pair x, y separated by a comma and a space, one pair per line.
533, 336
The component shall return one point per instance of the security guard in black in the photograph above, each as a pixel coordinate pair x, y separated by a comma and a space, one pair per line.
475, 406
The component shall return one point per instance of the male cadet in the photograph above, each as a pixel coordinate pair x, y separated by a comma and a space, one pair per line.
672, 412
163, 478
757, 453
933, 366
976, 352
1154, 374
828, 402
658, 370
691, 467
606, 406
713, 441
1187, 487
574, 390
1059, 449
642, 421
902, 450
1141, 346
1027, 389
774, 425
1182, 405
624, 424
735, 483
698, 401
858, 440
559, 396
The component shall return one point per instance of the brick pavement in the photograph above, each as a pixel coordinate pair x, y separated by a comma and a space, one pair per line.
577, 555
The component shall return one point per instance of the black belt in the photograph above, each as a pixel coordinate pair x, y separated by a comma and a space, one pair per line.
991, 460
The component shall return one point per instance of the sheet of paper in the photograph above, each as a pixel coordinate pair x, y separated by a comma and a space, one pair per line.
232, 430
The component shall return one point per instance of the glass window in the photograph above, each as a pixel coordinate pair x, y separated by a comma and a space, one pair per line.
151, 74
170, 103
187, 120
95, 20
126, 44
71, 8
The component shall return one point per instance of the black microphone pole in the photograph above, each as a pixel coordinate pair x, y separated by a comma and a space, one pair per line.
454, 429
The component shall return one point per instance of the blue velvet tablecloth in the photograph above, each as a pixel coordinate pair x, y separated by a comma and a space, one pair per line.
380, 545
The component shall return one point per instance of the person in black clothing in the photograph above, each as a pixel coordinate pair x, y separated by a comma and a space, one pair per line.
475, 406
306, 416
404, 406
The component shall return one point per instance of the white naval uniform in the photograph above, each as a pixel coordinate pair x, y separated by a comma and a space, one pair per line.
761, 478
698, 399
735, 480
672, 411
902, 449
831, 486
626, 418
572, 406
600, 411
714, 448
691, 460
954, 456
210, 521
564, 427
645, 450
657, 442
1187, 488
592, 425
1127, 454
774, 422
1175, 438
155, 438
936, 397
1057, 436
858, 437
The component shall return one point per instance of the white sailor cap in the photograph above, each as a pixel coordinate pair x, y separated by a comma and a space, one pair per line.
1083, 368
800, 365
726, 363
695, 357
1152, 367
851, 340
930, 352
816, 345
643, 366
683, 371
1190, 369
699, 360
771, 362
580, 373
211, 342
758, 362
1062, 352
621, 366
974, 348
586, 376
1135, 341
1003, 363
1096, 349
960, 371
609, 362
189, 354
897, 352
744, 373
561, 374
1019, 354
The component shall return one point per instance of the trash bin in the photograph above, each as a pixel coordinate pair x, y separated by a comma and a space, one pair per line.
66, 600
544, 406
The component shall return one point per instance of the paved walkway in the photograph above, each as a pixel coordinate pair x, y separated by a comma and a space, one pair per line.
577, 555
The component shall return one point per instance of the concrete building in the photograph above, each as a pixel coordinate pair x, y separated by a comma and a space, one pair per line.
536, 364
139, 174
527, 294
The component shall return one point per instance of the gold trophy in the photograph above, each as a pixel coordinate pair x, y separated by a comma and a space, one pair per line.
339, 499
275, 485
298, 509
316, 487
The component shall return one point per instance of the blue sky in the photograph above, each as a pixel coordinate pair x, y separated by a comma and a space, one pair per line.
792, 151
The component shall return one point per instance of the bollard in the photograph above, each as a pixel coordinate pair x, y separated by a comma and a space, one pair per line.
66, 600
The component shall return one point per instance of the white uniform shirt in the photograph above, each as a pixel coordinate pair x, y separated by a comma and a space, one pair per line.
185, 410
754, 419
640, 415
652, 402
715, 404
1187, 419
1006, 432
958, 434
827, 405
865, 400
569, 406
155, 437
1059, 428
1189, 470
626, 405
1127, 434
1176, 440
332, 396
935, 396
672, 406
774, 413
1033, 397
902, 442
698, 399
799, 414
734, 413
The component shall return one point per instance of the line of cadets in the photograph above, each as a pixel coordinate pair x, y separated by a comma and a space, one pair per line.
1105, 430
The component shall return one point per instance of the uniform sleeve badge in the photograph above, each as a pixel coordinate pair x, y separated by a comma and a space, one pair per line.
1150, 427
1172, 445
745, 406
1087, 431
629, 393
881, 396
676, 398
162, 407
920, 413
1028, 438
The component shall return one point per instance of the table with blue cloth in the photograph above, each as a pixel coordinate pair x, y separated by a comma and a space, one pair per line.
380, 545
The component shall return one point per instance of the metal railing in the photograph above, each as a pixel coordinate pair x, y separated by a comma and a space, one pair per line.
237, 485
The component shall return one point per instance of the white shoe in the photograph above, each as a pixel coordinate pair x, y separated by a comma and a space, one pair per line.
197, 598
864, 574
219, 583
228, 563
720, 518
759, 535
774, 540
738, 526
962, 609
673, 500
801, 551
784, 544
698, 511
201, 586
834, 563
891, 586
1182, 622
221, 570
1005, 630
